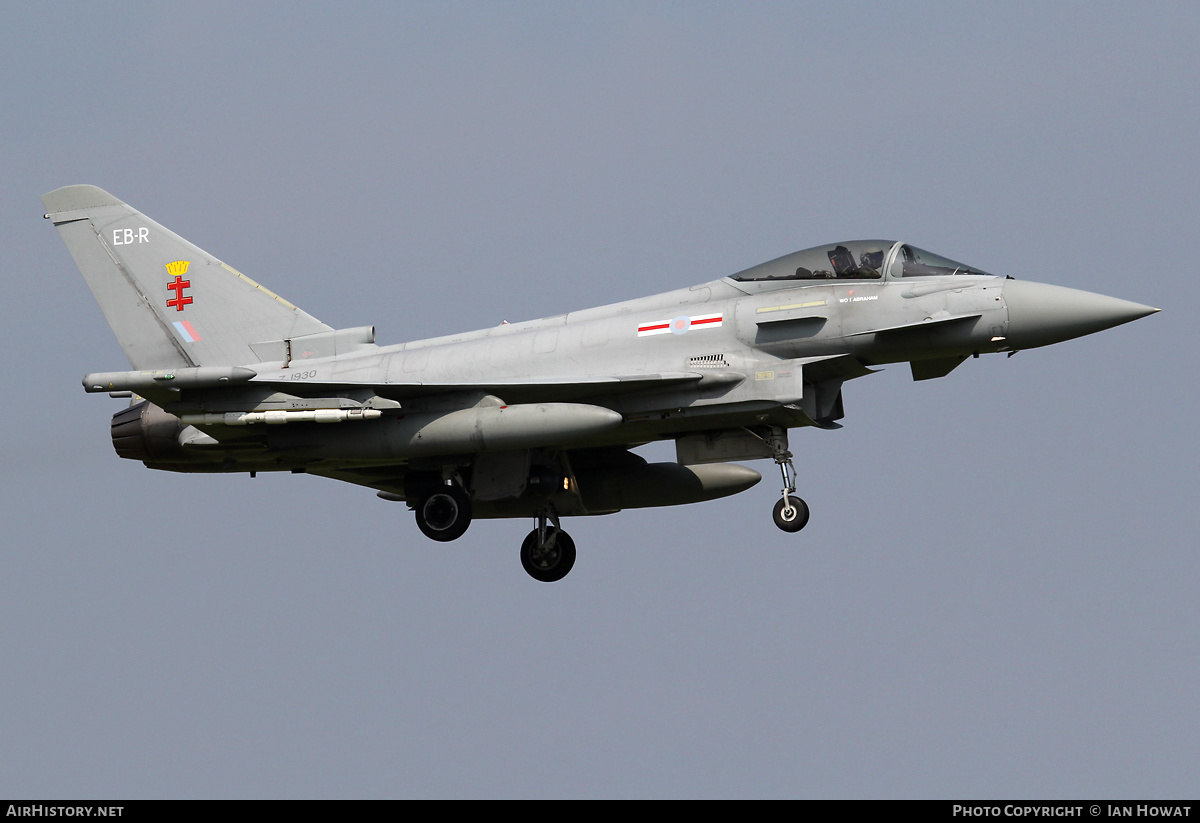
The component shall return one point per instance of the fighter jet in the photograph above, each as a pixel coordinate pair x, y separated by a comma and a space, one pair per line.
535, 419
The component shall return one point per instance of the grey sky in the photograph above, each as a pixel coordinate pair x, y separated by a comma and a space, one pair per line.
996, 596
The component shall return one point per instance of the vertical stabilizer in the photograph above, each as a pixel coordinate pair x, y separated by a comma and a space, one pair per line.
169, 303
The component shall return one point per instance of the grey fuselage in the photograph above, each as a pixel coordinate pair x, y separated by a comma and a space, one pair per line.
537, 416
716, 357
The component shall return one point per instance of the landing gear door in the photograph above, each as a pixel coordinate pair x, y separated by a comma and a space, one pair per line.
779, 380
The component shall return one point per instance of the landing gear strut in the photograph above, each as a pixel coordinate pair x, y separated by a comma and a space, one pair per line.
548, 552
444, 513
791, 512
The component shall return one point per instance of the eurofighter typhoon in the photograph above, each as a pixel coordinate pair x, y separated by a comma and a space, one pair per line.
534, 419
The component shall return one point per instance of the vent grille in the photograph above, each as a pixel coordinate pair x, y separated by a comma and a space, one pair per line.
708, 361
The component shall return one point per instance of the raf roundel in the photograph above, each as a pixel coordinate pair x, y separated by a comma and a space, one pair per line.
680, 325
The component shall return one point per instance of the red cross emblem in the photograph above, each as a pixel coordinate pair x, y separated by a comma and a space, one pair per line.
179, 300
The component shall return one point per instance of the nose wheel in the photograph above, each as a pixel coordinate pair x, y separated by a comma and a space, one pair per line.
548, 552
790, 514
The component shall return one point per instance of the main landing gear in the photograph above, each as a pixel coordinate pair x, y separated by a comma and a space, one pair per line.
444, 513
548, 552
791, 512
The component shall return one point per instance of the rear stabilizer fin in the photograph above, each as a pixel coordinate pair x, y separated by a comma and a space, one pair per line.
169, 303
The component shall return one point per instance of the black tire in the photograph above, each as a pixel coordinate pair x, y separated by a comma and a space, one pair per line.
792, 518
552, 564
444, 513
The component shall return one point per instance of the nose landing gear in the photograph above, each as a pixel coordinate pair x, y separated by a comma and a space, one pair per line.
791, 512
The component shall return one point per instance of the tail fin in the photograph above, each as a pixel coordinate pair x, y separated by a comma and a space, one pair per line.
169, 303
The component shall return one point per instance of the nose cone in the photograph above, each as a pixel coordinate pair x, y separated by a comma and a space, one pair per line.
1039, 314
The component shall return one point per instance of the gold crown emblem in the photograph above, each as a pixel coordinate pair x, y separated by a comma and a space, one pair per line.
179, 267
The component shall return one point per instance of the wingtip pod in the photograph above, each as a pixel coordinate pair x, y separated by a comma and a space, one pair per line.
210, 377
77, 198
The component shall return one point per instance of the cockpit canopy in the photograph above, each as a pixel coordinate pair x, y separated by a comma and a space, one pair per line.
856, 260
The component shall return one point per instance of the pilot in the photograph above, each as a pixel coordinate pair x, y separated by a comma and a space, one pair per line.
872, 260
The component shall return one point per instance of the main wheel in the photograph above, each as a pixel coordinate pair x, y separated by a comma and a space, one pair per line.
793, 517
444, 513
549, 563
